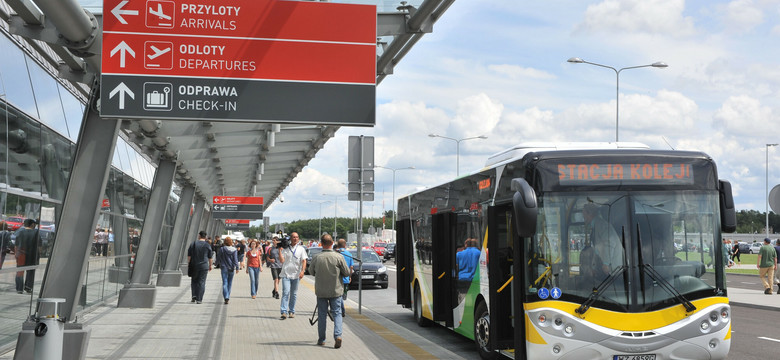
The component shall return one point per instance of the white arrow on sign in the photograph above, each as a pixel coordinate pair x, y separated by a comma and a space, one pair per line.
122, 49
118, 12
122, 90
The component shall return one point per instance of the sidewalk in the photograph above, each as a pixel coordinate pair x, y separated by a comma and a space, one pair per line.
244, 329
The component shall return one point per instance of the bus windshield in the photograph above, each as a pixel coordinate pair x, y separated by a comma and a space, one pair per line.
649, 242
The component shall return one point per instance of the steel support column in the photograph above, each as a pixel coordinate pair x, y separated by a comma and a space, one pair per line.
192, 234
139, 293
66, 268
170, 275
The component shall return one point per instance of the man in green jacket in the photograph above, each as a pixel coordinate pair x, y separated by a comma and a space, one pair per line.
767, 264
329, 268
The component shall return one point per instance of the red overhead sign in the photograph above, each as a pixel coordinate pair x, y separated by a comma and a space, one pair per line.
240, 58
236, 221
260, 39
276, 61
238, 200
269, 19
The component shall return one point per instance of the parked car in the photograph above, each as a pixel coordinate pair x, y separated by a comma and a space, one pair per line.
14, 222
310, 254
755, 247
374, 272
390, 252
380, 248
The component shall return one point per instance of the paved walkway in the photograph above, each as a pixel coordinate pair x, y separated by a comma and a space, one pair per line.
244, 329
252, 329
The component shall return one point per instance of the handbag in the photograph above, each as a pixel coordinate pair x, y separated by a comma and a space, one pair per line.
190, 269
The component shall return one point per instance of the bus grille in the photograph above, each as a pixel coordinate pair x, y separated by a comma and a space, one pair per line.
638, 334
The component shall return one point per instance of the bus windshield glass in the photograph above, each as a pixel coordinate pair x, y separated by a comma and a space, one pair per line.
582, 237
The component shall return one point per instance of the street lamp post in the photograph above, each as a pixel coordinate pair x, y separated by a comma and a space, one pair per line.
319, 234
394, 170
457, 148
335, 208
766, 199
658, 64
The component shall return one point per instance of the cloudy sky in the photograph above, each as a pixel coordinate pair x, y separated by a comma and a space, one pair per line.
498, 68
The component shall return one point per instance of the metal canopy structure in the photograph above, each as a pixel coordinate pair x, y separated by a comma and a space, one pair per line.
237, 159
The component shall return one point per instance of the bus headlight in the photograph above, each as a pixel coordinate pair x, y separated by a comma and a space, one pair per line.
568, 329
705, 325
381, 270
542, 320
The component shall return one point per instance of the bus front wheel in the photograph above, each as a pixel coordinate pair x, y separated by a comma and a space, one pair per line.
482, 332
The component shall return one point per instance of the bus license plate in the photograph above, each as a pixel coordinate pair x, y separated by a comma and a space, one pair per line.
634, 357
367, 277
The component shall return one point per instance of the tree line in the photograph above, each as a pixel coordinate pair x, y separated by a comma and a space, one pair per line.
308, 229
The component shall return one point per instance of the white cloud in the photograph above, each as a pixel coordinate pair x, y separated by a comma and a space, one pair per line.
516, 72
742, 15
745, 116
638, 16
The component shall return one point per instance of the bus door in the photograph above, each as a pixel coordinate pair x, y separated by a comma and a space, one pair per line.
404, 258
444, 288
500, 261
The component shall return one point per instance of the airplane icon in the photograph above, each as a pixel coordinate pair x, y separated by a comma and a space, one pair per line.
158, 55
157, 52
159, 12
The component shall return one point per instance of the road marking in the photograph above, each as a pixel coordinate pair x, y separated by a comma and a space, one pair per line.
770, 339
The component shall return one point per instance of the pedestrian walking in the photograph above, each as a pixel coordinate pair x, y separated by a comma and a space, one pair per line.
777, 257
274, 262
6, 244
735, 253
329, 269
27, 240
199, 259
227, 257
254, 262
342, 248
241, 248
293, 264
767, 264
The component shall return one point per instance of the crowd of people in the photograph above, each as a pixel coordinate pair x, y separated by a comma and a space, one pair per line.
286, 258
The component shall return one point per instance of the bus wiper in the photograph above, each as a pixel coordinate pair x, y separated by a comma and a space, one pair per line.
649, 270
597, 291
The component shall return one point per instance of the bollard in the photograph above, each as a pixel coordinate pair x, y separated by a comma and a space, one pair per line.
49, 330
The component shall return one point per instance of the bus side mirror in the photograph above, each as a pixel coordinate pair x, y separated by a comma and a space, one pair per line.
728, 214
524, 205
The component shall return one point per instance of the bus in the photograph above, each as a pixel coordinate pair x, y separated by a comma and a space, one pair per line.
585, 251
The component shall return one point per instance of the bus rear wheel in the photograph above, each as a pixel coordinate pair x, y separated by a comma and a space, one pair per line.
418, 316
482, 332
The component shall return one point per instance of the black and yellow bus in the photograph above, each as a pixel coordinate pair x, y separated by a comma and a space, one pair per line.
585, 251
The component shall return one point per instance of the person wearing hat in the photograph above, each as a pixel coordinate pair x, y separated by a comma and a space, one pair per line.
26, 255
767, 264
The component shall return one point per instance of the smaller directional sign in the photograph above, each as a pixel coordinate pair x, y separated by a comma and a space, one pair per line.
238, 207
237, 224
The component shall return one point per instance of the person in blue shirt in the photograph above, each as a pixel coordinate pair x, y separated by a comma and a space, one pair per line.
467, 261
342, 248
